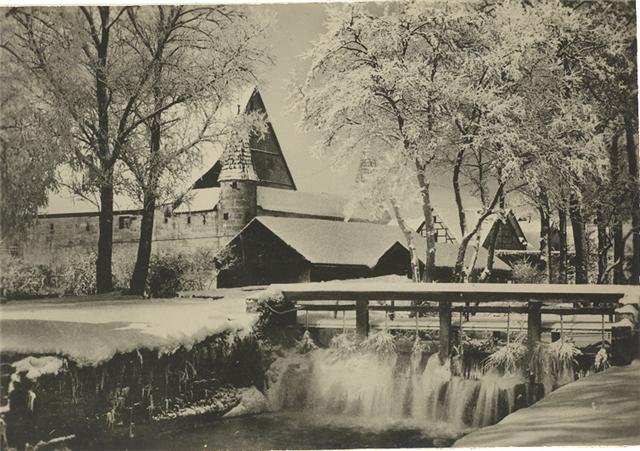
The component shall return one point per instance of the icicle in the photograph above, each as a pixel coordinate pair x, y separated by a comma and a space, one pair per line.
31, 399
460, 336
508, 321
601, 361
111, 418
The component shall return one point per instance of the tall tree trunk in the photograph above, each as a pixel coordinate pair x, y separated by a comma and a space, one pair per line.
458, 195
141, 269
406, 231
579, 240
104, 278
459, 268
616, 228
545, 244
104, 282
632, 157
562, 262
618, 254
430, 260
493, 240
603, 248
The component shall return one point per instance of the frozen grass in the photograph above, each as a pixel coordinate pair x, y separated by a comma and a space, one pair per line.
92, 331
508, 358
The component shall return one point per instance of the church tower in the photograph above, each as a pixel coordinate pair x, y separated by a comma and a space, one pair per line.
238, 190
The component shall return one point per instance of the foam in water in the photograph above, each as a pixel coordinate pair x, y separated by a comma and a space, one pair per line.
360, 382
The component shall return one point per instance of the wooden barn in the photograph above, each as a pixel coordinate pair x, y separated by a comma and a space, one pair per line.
285, 249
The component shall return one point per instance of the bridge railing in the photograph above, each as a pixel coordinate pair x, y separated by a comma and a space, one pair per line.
532, 300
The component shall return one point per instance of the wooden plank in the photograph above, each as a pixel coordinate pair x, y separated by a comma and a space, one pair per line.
534, 324
464, 309
404, 308
595, 298
451, 288
328, 307
439, 292
445, 335
362, 319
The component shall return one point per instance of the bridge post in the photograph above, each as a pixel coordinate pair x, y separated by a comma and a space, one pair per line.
534, 324
362, 318
444, 312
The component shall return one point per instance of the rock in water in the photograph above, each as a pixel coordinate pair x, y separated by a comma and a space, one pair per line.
252, 401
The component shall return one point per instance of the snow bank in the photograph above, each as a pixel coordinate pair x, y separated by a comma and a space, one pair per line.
599, 410
90, 332
34, 367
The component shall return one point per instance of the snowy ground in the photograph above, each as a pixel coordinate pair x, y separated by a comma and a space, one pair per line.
599, 410
91, 331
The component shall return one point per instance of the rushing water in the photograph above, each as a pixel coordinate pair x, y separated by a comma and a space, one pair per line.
378, 387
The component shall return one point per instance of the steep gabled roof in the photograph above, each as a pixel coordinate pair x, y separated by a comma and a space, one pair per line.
449, 217
261, 154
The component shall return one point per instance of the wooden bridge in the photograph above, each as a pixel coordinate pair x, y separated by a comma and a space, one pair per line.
529, 299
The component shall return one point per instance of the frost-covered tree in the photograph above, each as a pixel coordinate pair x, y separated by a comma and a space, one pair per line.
386, 188
197, 60
28, 160
384, 78
79, 60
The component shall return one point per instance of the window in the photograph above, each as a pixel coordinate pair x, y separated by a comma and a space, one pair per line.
124, 222
225, 216
51, 227
189, 219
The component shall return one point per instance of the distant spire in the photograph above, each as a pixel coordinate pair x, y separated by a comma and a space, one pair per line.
236, 162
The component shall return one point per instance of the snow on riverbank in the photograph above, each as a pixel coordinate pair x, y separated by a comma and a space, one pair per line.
599, 410
92, 331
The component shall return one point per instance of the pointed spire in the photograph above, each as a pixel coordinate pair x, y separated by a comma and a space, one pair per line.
236, 162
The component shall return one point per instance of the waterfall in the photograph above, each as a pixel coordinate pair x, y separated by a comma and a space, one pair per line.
360, 383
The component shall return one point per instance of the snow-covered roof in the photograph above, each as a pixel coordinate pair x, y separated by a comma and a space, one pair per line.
66, 203
448, 216
334, 242
447, 254
305, 203
322, 241
204, 199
